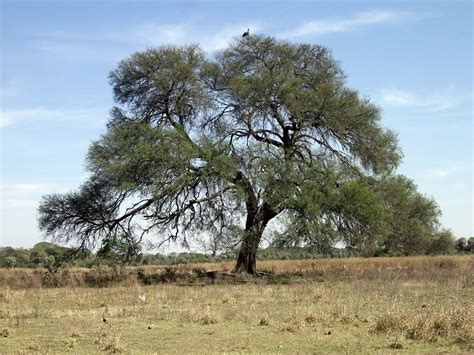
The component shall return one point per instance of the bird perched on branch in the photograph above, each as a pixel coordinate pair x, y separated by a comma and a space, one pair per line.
246, 33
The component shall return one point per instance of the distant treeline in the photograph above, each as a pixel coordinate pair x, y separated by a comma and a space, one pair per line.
50, 255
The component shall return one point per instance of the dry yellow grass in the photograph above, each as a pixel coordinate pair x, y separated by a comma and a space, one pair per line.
420, 267
420, 304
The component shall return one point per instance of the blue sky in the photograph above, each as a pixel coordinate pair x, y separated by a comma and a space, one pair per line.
414, 59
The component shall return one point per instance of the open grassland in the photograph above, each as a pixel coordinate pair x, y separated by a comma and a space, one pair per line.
415, 304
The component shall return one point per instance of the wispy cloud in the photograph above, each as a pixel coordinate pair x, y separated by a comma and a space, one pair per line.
81, 51
144, 33
9, 203
446, 171
32, 188
9, 117
152, 33
439, 100
90, 46
361, 19
107, 45
221, 39
27, 194
181, 33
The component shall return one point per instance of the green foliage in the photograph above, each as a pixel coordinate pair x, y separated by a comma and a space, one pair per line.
221, 145
443, 242
363, 217
464, 245
413, 219
470, 244
10, 261
121, 249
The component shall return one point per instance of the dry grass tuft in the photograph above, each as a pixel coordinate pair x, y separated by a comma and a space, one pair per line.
264, 321
70, 344
75, 335
388, 322
398, 344
33, 346
452, 325
311, 319
115, 346
291, 328
207, 319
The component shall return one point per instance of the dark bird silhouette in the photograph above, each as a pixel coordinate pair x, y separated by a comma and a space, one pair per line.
104, 320
246, 33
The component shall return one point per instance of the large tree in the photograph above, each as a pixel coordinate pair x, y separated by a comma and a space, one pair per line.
222, 145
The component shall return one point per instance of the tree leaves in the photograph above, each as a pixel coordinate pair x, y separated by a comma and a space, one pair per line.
200, 145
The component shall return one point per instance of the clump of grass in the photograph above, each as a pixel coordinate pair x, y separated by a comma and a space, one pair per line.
226, 299
396, 344
290, 328
311, 319
33, 346
115, 346
388, 322
71, 344
100, 338
75, 335
452, 325
415, 329
207, 319
4, 333
264, 320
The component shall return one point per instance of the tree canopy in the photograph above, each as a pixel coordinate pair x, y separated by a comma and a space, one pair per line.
221, 145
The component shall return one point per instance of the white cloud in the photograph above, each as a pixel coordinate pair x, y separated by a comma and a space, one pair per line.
397, 97
32, 188
152, 33
143, 33
361, 19
79, 51
25, 188
439, 100
27, 194
8, 117
460, 188
182, 33
446, 171
221, 39
19, 203
108, 44
90, 46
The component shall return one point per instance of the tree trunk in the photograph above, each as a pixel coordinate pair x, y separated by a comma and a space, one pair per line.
255, 225
247, 262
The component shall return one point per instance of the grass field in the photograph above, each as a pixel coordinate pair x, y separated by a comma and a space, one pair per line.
414, 304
